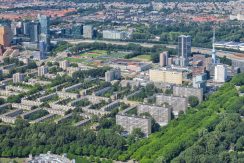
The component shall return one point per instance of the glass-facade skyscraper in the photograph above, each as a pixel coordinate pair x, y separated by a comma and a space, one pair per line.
184, 49
45, 24
43, 50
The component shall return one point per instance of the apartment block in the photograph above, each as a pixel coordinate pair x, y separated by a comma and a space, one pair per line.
162, 115
178, 103
130, 122
186, 92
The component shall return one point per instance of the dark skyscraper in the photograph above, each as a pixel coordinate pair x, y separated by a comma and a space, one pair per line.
77, 31
34, 31
184, 49
43, 50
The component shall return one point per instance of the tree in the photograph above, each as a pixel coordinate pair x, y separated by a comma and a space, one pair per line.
193, 101
137, 133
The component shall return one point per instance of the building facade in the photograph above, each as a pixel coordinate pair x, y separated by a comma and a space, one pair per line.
18, 77
220, 73
131, 122
42, 70
114, 74
187, 92
88, 31
178, 103
162, 115
184, 49
6, 36
166, 76
163, 59
115, 35
64, 64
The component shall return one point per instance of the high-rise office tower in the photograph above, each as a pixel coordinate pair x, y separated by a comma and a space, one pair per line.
44, 29
163, 59
6, 36
77, 31
44, 23
184, 49
213, 50
34, 31
88, 31
43, 50
26, 28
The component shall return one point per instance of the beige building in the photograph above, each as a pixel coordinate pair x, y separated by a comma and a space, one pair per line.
166, 76
5, 36
163, 59
64, 64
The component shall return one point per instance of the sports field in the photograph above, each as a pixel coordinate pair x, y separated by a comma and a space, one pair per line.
142, 58
94, 56
8, 160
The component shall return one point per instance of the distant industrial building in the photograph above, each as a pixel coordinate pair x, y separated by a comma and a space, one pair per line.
115, 35
163, 59
166, 76
220, 73
184, 49
18, 77
6, 36
42, 70
187, 92
113, 74
132, 122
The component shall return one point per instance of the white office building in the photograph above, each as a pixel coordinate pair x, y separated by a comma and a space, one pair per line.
115, 35
220, 73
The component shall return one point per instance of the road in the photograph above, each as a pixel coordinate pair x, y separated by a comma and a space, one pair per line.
220, 53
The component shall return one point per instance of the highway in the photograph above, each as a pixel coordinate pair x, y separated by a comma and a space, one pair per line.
220, 53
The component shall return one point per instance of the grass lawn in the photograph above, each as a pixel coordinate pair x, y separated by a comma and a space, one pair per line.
143, 58
75, 60
7, 160
94, 53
